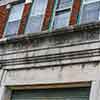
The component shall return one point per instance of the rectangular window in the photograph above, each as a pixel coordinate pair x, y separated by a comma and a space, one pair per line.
61, 19
14, 19
64, 3
90, 11
52, 94
35, 20
62, 13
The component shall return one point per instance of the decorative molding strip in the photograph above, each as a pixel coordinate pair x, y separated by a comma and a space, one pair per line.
53, 59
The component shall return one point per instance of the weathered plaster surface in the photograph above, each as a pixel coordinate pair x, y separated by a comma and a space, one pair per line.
61, 56
60, 74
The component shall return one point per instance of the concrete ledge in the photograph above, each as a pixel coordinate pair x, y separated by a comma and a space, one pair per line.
67, 30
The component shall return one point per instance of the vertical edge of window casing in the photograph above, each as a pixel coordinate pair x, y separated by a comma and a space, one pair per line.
28, 16
80, 12
24, 18
4, 13
53, 15
75, 12
48, 15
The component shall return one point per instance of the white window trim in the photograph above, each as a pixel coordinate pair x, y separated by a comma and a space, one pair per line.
28, 1
44, 15
87, 2
57, 10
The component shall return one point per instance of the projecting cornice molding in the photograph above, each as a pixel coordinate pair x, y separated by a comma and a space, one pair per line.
48, 57
74, 44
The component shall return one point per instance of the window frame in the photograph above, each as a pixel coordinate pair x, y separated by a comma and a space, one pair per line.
11, 6
64, 8
9, 89
43, 16
81, 9
55, 11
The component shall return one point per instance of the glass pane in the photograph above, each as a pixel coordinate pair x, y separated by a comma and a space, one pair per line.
52, 94
34, 24
35, 20
91, 12
38, 7
21, 1
16, 12
12, 28
61, 20
64, 3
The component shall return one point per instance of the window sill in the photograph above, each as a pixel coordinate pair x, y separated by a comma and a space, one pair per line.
66, 30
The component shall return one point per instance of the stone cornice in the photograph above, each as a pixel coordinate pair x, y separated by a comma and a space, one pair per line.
49, 57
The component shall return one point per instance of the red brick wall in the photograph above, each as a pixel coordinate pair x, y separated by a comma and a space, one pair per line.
24, 18
3, 18
75, 12
48, 14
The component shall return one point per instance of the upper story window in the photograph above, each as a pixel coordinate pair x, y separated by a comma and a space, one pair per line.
13, 23
62, 13
36, 16
64, 4
90, 11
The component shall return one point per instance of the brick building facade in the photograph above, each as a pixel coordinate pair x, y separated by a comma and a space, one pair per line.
49, 50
